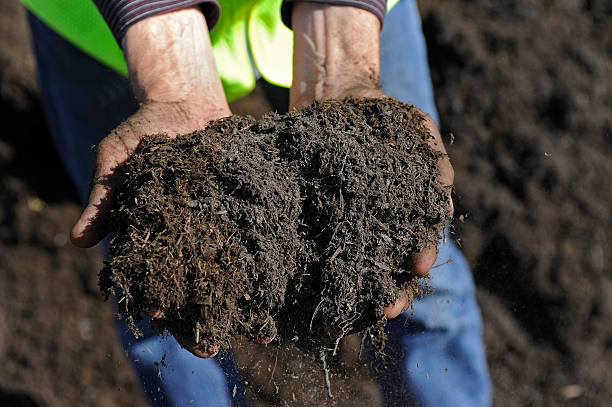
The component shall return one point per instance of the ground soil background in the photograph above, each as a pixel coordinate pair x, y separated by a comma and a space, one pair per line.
525, 88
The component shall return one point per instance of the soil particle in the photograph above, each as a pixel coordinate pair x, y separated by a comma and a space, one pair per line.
300, 224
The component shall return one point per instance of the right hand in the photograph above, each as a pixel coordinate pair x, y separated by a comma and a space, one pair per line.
173, 74
115, 149
113, 152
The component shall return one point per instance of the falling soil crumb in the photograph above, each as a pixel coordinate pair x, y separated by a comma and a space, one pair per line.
299, 226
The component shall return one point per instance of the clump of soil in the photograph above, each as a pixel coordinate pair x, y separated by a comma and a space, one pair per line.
300, 225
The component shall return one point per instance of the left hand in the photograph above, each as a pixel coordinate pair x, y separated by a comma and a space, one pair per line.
336, 56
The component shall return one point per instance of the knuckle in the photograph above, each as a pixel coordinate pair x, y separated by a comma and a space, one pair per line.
430, 123
103, 149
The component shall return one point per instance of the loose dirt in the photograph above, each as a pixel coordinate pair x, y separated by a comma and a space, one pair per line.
300, 226
525, 88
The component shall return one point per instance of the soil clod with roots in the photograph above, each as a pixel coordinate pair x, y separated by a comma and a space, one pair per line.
299, 226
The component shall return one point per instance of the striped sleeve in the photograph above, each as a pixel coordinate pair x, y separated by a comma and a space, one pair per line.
121, 14
378, 7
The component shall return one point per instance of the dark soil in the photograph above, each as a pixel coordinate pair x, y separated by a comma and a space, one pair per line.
283, 374
58, 344
525, 87
57, 337
299, 224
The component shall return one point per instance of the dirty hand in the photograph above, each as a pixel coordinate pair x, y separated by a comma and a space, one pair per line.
114, 150
173, 74
337, 55
175, 78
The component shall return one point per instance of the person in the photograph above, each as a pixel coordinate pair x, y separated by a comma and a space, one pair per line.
174, 87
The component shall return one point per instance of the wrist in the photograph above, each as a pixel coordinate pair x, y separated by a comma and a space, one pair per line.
174, 118
336, 48
170, 60
186, 111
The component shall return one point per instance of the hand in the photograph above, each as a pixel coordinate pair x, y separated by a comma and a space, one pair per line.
337, 55
424, 260
114, 150
173, 73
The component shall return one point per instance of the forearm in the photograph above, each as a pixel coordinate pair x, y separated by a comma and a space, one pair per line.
169, 58
171, 66
337, 48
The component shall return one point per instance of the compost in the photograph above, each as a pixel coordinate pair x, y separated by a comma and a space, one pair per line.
300, 226
525, 88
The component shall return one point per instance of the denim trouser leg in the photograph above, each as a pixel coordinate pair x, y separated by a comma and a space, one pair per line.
83, 102
182, 379
437, 350
438, 358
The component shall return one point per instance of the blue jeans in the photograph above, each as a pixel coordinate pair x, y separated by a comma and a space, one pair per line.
435, 355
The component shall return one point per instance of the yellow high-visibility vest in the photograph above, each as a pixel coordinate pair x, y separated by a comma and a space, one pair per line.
270, 41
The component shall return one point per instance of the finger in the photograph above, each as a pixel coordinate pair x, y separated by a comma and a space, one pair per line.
423, 261
447, 174
91, 227
155, 312
435, 142
199, 350
266, 333
205, 352
263, 340
396, 308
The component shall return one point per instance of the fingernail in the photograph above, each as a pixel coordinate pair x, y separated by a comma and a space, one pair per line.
263, 340
155, 313
206, 353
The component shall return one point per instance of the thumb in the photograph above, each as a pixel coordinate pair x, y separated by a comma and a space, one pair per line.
91, 227
423, 261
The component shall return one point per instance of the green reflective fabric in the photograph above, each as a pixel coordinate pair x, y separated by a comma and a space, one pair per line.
271, 43
230, 47
80, 22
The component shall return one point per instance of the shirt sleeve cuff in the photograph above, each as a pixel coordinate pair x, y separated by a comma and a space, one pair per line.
120, 15
378, 7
